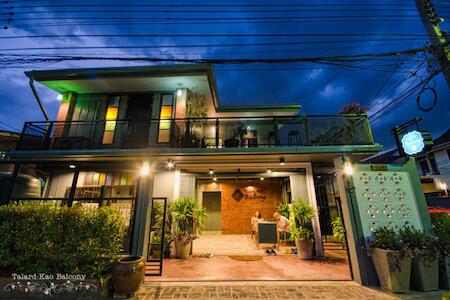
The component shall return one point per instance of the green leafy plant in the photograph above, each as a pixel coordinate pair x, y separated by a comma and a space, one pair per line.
188, 218
156, 242
386, 238
303, 215
338, 229
301, 233
283, 209
59, 239
240, 130
441, 229
196, 105
420, 244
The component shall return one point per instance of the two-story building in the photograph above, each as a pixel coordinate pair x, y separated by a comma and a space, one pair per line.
123, 136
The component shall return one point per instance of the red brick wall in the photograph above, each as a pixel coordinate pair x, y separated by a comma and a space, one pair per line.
236, 214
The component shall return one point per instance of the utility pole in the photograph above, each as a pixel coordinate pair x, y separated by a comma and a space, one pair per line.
438, 37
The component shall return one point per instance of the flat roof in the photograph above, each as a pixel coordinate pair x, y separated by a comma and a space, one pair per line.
102, 80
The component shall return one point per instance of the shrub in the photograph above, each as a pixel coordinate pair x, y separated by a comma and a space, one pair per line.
53, 240
441, 229
303, 215
386, 238
420, 244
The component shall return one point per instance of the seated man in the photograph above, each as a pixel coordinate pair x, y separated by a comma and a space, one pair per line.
283, 226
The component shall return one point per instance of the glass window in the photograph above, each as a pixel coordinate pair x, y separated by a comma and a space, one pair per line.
434, 167
425, 169
165, 116
112, 112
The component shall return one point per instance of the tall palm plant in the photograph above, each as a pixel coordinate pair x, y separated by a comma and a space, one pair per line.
188, 217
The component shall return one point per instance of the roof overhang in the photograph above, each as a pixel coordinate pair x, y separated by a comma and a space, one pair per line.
130, 79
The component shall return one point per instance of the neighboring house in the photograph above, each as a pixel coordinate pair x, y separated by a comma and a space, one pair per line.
126, 135
433, 166
8, 141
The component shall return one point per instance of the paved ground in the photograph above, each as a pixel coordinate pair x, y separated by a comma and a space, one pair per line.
270, 290
269, 268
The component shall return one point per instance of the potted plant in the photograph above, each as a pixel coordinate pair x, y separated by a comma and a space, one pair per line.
192, 140
301, 230
425, 258
441, 229
156, 245
240, 131
189, 219
391, 260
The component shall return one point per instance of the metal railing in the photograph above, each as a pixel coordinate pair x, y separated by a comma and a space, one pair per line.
230, 132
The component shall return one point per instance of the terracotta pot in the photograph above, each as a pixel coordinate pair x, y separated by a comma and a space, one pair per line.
182, 247
444, 274
393, 271
425, 274
127, 275
305, 248
156, 253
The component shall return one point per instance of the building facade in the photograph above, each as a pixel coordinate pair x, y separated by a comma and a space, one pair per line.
125, 136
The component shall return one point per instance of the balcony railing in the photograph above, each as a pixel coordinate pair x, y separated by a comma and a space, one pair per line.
197, 133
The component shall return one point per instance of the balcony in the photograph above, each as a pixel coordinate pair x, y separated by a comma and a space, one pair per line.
298, 131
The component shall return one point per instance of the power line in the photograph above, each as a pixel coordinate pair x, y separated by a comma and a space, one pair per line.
227, 35
153, 46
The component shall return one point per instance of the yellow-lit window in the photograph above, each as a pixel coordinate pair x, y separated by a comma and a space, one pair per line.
165, 116
112, 113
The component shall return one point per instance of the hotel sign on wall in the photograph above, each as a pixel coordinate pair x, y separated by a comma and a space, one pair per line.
249, 193
385, 199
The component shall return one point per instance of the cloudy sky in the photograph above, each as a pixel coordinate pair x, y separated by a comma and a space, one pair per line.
355, 27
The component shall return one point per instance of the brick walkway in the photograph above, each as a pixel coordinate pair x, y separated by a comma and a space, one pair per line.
260, 290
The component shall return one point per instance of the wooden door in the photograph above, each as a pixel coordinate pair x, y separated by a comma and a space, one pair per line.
212, 202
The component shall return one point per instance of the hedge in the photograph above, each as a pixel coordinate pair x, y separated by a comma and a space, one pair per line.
39, 239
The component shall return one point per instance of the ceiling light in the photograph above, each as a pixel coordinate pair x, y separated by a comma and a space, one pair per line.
261, 178
348, 169
215, 178
269, 171
282, 163
211, 172
72, 166
145, 169
179, 93
170, 165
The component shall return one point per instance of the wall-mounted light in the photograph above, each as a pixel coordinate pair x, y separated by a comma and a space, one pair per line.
348, 169
170, 165
282, 163
211, 172
59, 97
179, 93
72, 166
145, 169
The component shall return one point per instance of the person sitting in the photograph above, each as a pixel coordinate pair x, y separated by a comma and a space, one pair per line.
254, 221
283, 226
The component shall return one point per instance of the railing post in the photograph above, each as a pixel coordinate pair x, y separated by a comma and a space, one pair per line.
73, 187
47, 136
369, 130
276, 131
307, 132
217, 133
19, 143
188, 127
13, 181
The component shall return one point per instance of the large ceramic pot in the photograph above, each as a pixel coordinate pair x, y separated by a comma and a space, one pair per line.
425, 274
127, 275
182, 247
393, 270
444, 274
305, 248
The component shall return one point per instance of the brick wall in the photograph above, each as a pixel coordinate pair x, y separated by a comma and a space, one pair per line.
257, 195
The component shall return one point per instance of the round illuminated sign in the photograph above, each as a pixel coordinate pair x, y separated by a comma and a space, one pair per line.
412, 142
